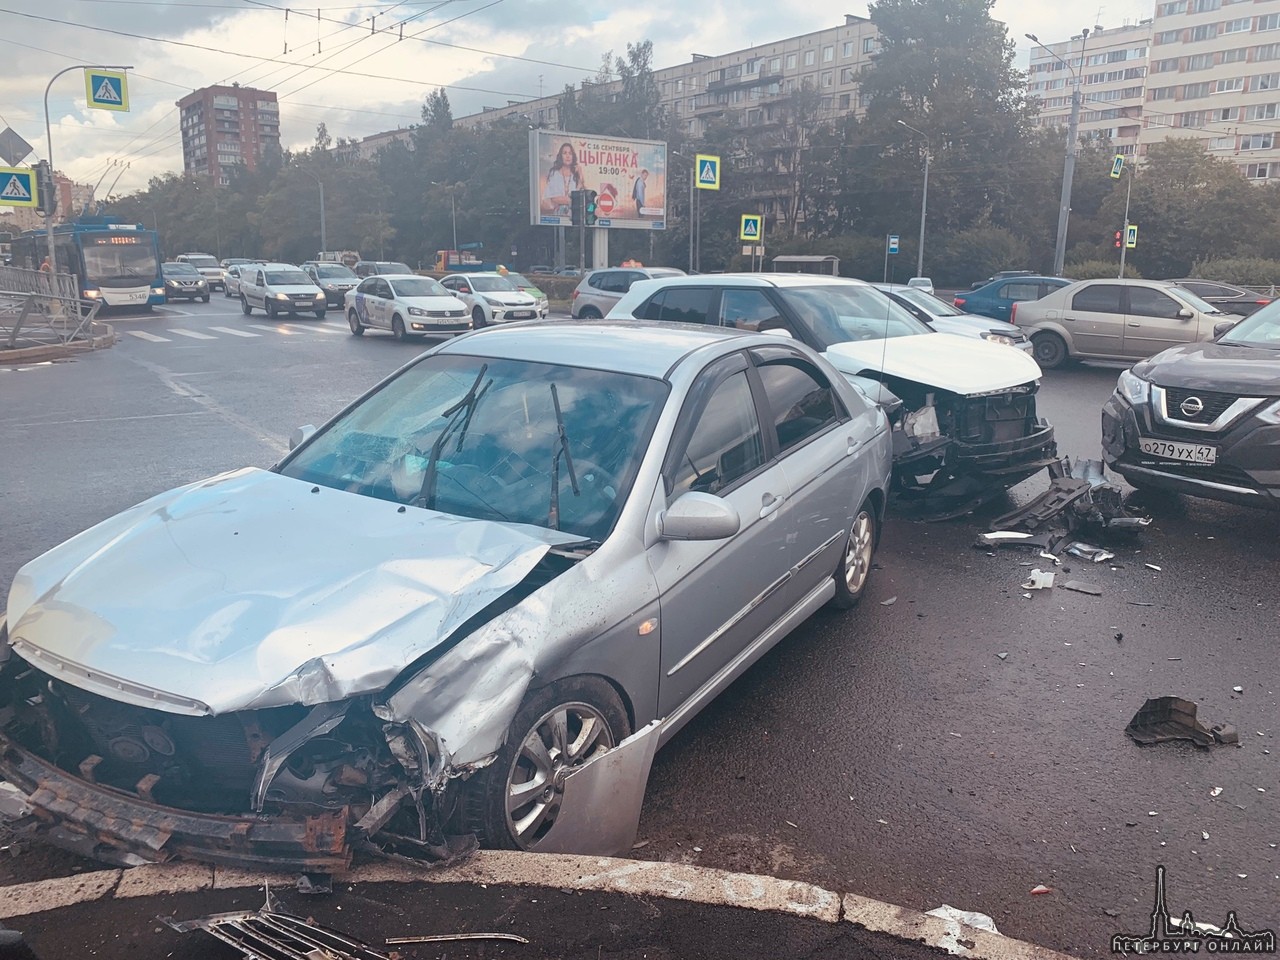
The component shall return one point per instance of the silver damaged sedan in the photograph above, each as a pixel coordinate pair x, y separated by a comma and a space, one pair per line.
498, 564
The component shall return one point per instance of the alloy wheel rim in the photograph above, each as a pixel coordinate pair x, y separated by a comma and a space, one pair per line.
857, 558
565, 737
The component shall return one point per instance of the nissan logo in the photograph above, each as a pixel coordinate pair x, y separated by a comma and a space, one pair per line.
1191, 407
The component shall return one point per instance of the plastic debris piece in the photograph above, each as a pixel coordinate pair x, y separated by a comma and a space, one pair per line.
889, 603
1087, 551
1151, 566
1237, 689
1051, 558
1161, 719
1039, 889
1153, 813
1225, 733
1005, 656
1081, 587
998, 536
1243, 876
979, 921
1204, 834
956, 735
697, 849
1139, 603
640, 844
883, 822
447, 937
1216, 791
1262, 789
790, 824
1026, 596
1039, 580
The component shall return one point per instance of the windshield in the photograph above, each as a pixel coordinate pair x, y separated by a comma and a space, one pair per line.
491, 284
1202, 305
201, 263
419, 287
1262, 329
478, 437
394, 267
520, 281
179, 270
928, 303
285, 277
335, 271
124, 264
839, 314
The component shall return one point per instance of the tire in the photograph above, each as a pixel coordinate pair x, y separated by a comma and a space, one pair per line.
483, 807
854, 570
477, 318
320, 314
357, 328
205, 298
244, 305
270, 309
590, 313
1049, 350
397, 328
226, 293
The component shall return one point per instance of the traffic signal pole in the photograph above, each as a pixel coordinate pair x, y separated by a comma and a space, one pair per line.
1124, 238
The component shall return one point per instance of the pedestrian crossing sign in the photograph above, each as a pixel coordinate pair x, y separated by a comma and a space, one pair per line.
708, 171
106, 89
751, 228
18, 187
1131, 236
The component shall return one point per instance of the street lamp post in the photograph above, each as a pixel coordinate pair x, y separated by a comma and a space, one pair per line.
693, 174
324, 239
453, 212
1073, 147
924, 196
48, 135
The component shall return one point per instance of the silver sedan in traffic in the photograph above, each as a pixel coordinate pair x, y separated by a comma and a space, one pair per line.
493, 568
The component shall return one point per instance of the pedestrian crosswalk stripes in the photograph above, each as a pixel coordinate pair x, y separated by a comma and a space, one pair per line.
151, 337
194, 335
277, 328
235, 333
170, 334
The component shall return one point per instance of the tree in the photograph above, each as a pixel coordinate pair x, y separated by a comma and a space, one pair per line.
437, 114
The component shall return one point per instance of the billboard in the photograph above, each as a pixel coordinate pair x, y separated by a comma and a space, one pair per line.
629, 177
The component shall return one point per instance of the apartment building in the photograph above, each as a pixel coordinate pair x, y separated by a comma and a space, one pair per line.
1215, 76
223, 127
749, 82
1113, 65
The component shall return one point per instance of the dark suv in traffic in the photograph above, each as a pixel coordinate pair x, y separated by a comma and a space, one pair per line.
335, 279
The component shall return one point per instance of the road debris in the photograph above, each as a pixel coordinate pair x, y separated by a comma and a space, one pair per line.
889, 603
1039, 580
1152, 566
1079, 586
1040, 889
1204, 834
1086, 551
1139, 603
448, 937
1051, 558
883, 822
1002, 656
1162, 719
970, 918
1216, 791
1237, 689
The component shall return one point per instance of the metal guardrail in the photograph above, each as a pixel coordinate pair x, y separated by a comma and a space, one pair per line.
39, 308
61, 285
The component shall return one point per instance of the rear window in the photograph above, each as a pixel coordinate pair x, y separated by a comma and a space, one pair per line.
681, 305
201, 262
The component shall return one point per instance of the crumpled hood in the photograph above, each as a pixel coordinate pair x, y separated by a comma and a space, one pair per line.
1248, 371
962, 365
249, 590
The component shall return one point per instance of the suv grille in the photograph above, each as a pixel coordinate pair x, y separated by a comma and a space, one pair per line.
1214, 404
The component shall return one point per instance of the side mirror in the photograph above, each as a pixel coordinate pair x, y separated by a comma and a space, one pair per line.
301, 436
699, 516
1222, 326
1186, 313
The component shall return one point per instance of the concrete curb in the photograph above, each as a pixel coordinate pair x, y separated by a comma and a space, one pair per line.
55, 351
597, 874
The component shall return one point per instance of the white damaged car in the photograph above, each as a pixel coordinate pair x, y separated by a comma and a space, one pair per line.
963, 410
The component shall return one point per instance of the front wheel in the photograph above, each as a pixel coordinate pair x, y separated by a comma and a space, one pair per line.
205, 298
477, 318
271, 310
397, 328
357, 328
855, 566
589, 313
1049, 349
513, 802
320, 314
244, 305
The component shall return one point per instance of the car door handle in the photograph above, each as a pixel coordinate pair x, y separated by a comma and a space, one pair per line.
1069, 319
769, 505
853, 446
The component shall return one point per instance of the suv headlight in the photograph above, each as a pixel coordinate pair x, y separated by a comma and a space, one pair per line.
491, 302
417, 312
1270, 414
1133, 388
992, 337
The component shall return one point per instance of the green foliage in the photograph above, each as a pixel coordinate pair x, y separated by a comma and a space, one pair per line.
1246, 271
1099, 270
962, 257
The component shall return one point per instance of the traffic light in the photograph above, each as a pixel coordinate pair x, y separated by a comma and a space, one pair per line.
589, 208
578, 207
1119, 239
48, 198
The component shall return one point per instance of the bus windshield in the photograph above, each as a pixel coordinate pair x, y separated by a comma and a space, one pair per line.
127, 264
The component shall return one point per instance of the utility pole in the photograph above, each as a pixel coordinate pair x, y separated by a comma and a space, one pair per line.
1124, 235
1073, 147
924, 200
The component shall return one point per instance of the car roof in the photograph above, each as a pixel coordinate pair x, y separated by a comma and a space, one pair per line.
1027, 276
475, 273
643, 348
400, 276
279, 266
758, 280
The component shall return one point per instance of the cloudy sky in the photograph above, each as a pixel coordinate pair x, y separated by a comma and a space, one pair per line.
360, 80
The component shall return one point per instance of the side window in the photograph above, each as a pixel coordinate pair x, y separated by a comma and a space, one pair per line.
651, 309
726, 444
603, 281
1020, 291
685, 304
801, 399
1205, 289
1145, 302
630, 277
259, 280
1098, 298
748, 310
449, 283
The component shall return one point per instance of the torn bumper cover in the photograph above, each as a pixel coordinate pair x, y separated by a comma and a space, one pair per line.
109, 825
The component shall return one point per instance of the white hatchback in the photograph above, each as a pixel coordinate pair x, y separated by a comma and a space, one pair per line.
491, 298
407, 305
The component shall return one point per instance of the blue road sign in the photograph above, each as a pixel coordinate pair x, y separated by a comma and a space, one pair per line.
106, 89
893, 243
18, 188
708, 171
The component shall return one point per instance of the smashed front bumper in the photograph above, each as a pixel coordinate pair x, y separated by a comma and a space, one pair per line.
109, 825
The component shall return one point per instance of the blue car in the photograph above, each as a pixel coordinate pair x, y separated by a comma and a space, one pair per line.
996, 299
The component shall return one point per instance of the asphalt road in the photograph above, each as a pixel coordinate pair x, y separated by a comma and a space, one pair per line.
889, 751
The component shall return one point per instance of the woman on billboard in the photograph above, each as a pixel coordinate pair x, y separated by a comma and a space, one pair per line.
562, 179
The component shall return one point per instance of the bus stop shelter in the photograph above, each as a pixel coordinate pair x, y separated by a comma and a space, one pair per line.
796, 263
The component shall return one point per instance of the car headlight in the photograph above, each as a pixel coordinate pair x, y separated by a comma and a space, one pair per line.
95, 294
202, 283
320, 295
1270, 414
1003, 339
491, 302
1133, 388
417, 312
279, 296
155, 290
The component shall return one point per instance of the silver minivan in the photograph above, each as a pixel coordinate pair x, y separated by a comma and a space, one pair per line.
277, 288
599, 290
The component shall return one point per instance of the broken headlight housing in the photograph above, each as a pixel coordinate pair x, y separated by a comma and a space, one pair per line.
1133, 388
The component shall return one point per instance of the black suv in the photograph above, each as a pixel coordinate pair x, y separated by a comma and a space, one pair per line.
335, 279
368, 268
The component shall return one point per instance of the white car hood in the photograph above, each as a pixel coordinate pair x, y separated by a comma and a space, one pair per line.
292, 288
512, 298
251, 590
434, 303
962, 365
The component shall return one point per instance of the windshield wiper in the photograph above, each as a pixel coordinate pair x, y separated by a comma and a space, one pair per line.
562, 447
427, 495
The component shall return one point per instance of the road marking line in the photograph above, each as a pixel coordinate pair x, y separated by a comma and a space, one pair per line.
235, 333
316, 329
279, 328
143, 335
192, 334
